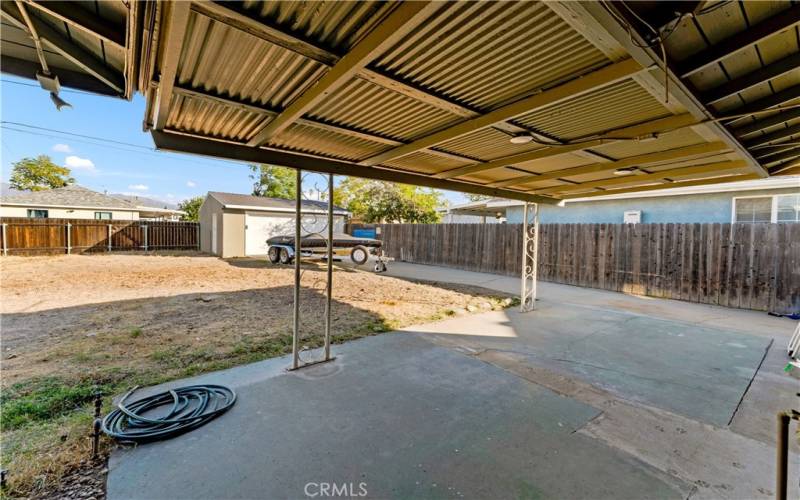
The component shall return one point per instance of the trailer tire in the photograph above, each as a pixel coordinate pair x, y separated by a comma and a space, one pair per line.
359, 255
274, 254
284, 257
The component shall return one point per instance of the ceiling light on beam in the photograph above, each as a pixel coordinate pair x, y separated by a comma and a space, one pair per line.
523, 138
626, 171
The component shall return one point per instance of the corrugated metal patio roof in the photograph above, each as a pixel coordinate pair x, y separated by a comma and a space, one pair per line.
431, 93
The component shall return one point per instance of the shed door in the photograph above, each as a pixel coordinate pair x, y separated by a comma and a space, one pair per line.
259, 227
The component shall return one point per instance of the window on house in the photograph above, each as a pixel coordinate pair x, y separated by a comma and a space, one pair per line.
37, 214
753, 209
102, 215
788, 208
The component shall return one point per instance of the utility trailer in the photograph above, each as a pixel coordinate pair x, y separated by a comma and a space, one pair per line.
281, 249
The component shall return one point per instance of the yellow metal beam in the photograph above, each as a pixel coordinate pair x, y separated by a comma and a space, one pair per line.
177, 23
646, 159
698, 182
574, 88
400, 22
720, 167
661, 125
188, 143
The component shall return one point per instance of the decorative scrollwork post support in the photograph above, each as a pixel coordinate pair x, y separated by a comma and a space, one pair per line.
530, 250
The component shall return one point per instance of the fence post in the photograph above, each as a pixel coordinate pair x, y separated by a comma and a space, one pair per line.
5, 240
110, 235
198, 234
69, 238
145, 236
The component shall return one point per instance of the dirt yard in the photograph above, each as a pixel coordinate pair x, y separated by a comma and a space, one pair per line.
72, 324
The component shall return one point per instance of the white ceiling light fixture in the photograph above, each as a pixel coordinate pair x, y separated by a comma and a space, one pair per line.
625, 171
522, 138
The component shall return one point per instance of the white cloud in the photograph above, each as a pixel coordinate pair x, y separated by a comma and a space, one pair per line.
138, 187
191, 184
62, 148
79, 163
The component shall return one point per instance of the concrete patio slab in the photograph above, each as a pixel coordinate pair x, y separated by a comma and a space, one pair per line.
700, 372
399, 414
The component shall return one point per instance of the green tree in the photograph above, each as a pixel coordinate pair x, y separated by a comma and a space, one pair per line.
378, 201
192, 208
273, 182
38, 174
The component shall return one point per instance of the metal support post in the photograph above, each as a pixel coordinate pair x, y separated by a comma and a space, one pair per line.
5, 240
530, 250
296, 317
69, 238
144, 227
329, 290
110, 235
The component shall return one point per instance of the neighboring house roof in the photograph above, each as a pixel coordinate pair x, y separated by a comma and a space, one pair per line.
249, 202
7, 190
760, 184
68, 196
143, 201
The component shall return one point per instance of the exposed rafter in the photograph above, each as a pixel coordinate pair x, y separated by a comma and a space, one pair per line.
778, 135
234, 16
740, 41
788, 154
68, 49
655, 187
393, 28
574, 88
720, 168
770, 101
679, 91
781, 67
339, 129
640, 160
789, 168
766, 123
177, 21
648, 128
74, 15
241, 152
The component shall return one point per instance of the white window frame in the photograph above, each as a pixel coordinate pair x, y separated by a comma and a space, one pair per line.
773, 216
775, 207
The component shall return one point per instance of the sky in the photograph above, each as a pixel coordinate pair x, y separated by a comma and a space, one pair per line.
122, 158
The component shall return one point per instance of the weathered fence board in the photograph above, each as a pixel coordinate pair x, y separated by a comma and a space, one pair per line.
23, 236
749, 266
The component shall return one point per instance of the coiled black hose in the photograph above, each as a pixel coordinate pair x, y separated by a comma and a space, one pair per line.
192, 406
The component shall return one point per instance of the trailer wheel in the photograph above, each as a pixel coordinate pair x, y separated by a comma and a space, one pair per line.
274, 254
359, 254
285, 258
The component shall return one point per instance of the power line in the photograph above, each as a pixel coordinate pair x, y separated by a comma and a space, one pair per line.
87, 139
33, 85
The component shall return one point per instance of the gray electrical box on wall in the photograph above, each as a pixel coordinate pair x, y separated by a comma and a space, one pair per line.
632, 217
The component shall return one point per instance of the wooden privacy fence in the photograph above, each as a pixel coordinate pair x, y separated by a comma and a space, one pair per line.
21, 236
750, 266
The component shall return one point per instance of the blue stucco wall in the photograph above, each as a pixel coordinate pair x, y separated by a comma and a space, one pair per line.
710, 207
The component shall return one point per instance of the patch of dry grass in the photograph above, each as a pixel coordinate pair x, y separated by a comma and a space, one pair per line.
72, 324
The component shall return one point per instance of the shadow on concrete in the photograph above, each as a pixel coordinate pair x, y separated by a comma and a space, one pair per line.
697, 371
396, 417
